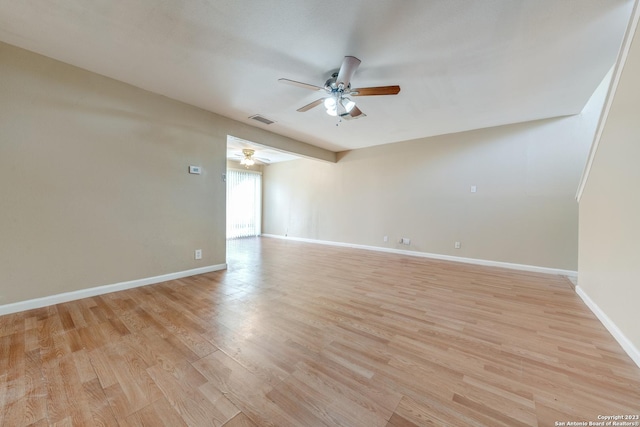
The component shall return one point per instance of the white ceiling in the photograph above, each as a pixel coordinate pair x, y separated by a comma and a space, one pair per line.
461, 64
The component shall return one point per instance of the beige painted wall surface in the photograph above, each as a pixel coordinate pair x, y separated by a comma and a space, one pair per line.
609, 251
94, 188
523, 212
94, 182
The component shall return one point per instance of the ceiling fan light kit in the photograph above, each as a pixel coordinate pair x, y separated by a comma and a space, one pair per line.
338, 106
337, 87
248, 157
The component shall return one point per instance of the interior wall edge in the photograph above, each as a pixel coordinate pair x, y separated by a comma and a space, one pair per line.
103, 289
613, 329
613, 86
475, 261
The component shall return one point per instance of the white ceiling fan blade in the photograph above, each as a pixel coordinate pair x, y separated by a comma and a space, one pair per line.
300, 84
310, 105
349, 66
355, 113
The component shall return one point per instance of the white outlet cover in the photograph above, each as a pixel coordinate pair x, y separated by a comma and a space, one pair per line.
198, 254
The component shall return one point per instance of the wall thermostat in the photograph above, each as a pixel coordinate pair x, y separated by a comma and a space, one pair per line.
194, 170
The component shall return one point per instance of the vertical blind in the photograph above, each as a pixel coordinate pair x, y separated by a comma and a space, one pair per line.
244, 203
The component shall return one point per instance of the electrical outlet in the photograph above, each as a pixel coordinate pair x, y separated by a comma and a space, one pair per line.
474, 189
457, 245
198, 254
385, 239
405, 241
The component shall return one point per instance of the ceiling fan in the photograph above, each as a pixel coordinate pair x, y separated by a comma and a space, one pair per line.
248, 158
338, 89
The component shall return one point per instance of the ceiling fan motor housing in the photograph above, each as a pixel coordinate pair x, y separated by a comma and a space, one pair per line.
332, 86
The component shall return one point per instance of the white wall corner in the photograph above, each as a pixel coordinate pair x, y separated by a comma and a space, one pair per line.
613, 85
626, 344
101, 290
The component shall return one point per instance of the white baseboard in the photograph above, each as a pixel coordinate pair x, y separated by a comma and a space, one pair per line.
523, 267
626, 344
100, 290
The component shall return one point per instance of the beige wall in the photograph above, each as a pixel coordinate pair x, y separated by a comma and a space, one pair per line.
94, 188
609, 254
524, 210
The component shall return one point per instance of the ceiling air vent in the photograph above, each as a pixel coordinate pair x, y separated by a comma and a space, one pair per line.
261, 119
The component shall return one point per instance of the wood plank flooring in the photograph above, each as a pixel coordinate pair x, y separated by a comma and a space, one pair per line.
295, 334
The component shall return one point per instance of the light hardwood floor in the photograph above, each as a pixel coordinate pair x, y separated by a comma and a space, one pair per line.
295, 334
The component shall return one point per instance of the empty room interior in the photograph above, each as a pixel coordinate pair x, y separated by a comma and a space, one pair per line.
319, 213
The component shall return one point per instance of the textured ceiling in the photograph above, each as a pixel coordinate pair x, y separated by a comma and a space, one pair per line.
462, 65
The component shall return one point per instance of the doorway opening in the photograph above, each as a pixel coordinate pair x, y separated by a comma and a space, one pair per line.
245, 184
244, 203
